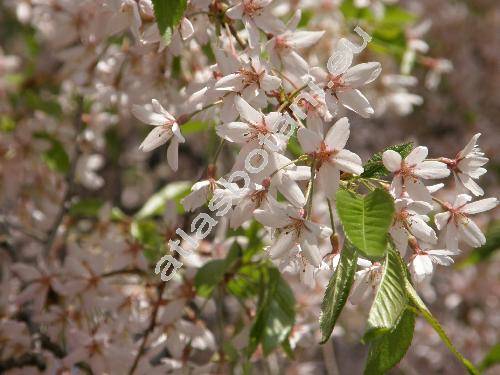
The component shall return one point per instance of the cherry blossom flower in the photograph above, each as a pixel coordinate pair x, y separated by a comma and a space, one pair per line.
330, 154
411, 218
467, 166
366, 281
255, 15
342, 85
455, 222
421, 264
294, 230
166, 128
409, 171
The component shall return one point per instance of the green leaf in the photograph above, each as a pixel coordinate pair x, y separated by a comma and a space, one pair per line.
275, 315
338, 290
491, 359
155, 205
387, 350
195, 126
390, 300
168, 14
375, 167
87, 207
421, 308
214, 272
487, 250
55, 157
366, 220
7, 124
146, 233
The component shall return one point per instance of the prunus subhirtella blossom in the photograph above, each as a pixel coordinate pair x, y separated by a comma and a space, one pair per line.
184, 191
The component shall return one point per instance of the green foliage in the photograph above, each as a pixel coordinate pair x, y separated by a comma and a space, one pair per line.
366, 219
195, 126
87, 207
168, 14
35, 101
390, 300
7, 124
338, 290
55, 157
214, 272
487, 250
374, 168
155, 205
147, 234
275, 313
491, 359
420, 307
387, 350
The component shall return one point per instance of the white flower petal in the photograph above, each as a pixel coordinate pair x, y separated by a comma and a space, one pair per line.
148, 116
246, 111
156, 137
356, 101
392, 160
480, 206
337, 136
362, 74
309, 140
417, 155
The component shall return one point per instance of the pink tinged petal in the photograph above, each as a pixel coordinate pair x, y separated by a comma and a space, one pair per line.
147, 116
283, 245
441, 219
329, 179
269, 82
361, 287
362, 74
348, 161
421, 267
304, 39
422, 231
470, 184
430, 169
177, 132
291, 191
392, 160
228, 111
246, 111
400, 237
417, 155
469, 147
234, 131
471, 233
480, 206
231, 82
340, 60
156, 137
417, 190
356, 101
235, 12
253, 32
25, 272
273, 219
461, 199
310, 250
269, 23
158, 108
451, 237
186, 28
309, 140
397, 187
337, 136
331, 102
242, 212
173, 154
273, 121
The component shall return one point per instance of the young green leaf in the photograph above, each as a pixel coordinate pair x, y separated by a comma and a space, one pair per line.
387, 350
375, 167
338, 290
147, 234
168, 14
155, 205
491, 359
56, 156
421, 308
366, 220
275, 315
390, 300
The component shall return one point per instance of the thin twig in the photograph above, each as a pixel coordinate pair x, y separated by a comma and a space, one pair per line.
70, 181
152, 324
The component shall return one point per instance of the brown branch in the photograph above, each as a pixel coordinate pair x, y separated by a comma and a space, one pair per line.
152, 324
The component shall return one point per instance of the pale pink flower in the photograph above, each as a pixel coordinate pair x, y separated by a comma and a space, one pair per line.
366, 281
330, 155
421, 264
408, 173
166, 128
455, 221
